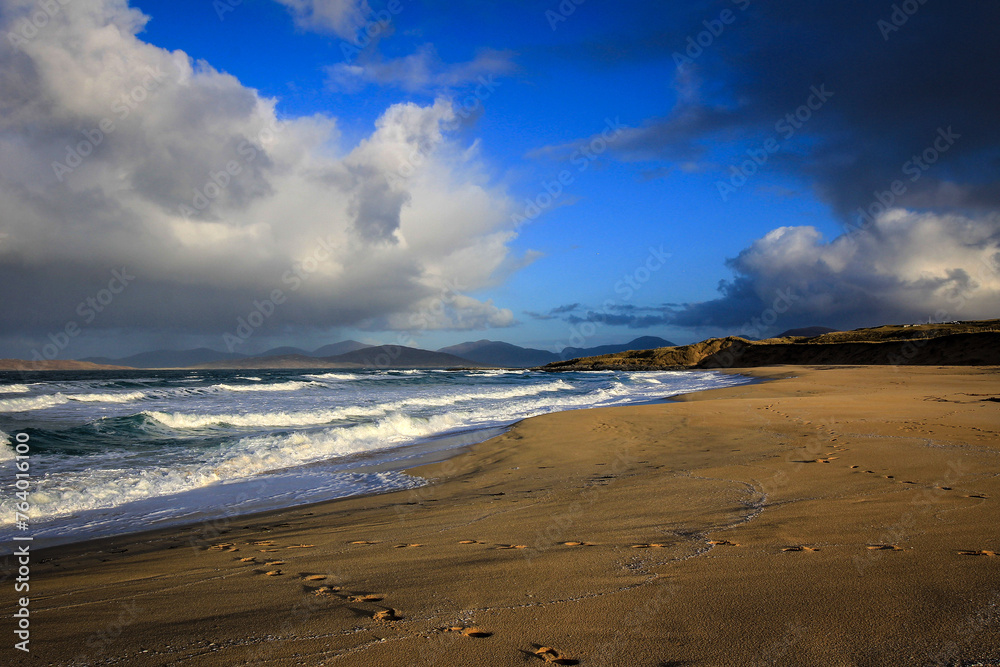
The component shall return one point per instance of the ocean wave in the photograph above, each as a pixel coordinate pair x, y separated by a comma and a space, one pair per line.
389, 417
335, 376
31, 403
6, 447
120, 397
293, 385
15, 389
100, 487
180, 420
491, 394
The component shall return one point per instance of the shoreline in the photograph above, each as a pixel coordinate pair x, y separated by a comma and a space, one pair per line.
630, 533
433, 448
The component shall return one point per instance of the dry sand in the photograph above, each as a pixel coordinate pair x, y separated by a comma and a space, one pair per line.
840, 516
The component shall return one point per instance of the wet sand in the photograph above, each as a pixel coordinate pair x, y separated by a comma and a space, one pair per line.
835, 516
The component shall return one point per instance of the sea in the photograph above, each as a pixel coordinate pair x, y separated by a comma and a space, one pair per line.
115, 452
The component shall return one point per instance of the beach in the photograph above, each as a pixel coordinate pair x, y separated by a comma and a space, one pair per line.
827, 516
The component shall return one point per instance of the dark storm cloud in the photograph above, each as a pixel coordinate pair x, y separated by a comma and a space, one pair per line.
897, 79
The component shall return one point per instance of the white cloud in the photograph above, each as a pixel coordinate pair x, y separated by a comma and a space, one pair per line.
341, 17
420, 71
905, 267
194, 182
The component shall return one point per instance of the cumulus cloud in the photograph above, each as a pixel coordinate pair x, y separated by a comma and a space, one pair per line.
341, 17
421, 71
117, 154
904, 267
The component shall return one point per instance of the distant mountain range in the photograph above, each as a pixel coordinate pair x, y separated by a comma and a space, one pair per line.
381, 356
495, 353
972, 342
354, 354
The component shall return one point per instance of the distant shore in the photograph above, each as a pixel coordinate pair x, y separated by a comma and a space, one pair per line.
973, 343
837, 516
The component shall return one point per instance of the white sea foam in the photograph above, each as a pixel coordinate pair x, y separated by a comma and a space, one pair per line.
294, 385
180, 420
15, 389
6, 447
61, 494
119, 397
31, 403
336, 376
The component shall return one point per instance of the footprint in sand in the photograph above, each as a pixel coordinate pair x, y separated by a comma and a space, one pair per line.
387, 615
273, 563
979, 552
551, 655
273, 573
263, 543
301, 546
406, 546
722, 543
225, 546
313, 577
854, 467
267, 551
883, 547
362, 542
799, 547
328, 591
365, 598
651, 545
251, 559
473, 632
511, 546
975, 495
579, 544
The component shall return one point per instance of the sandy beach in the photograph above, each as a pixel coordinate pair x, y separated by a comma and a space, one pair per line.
827, 516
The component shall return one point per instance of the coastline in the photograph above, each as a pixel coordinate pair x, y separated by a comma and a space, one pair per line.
698, 533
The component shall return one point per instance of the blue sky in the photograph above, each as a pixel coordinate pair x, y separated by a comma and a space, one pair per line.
832, 101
